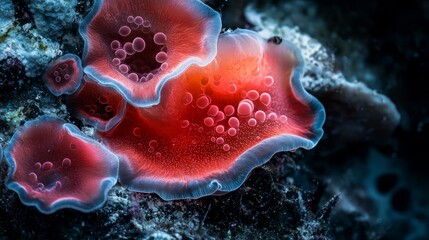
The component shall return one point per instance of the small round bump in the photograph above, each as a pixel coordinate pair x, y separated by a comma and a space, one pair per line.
203, 102
234, 122
138, 20
184, 124
260, 116
46, 166
161, 57
265, 99
160, 38
251, 122
208, 121
66, 162
232, 132
187, 98
232, 88
253, 95
139, 44
123, 68
115, 44
213, 110
220, 129
124, 31
245, 108
226, 147
268, 81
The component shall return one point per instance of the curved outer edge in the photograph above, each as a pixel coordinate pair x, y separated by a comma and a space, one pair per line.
256, 156
80, 74
211, 36
69, 202
110, 124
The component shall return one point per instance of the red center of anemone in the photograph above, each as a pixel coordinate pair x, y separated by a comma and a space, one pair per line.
137, 51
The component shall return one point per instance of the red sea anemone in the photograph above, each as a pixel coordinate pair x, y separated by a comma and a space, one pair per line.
136, 46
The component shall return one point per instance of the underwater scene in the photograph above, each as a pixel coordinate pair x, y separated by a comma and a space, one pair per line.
214, 119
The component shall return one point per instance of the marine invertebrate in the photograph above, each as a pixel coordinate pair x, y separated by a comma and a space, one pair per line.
101, 107
214, 124
52, 165
64, 75
136, 46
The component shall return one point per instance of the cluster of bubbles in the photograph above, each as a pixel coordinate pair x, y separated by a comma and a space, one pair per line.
41, 178
152, 145
227, 120
101, 109
134, 47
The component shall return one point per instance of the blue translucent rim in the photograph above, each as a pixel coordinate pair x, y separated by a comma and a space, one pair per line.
79, 73
105, 185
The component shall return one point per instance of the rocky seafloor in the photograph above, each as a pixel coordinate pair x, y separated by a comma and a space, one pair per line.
366, 179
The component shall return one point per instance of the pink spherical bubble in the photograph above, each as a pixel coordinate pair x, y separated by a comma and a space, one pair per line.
268, 81
130, 19
234, 122
260, 116
232, 132
220, 116
283, 119
116, 61
226, 147
160, 38
139, 44
115, 44
245, 108
251, 122
232, 88
229, 110
220, 140
253, 95
208, 121
128, 47
66, 162
123, 68
272, 116
124, 31
121, 54
164, 66
161, 57
265, 99
187, 98
213, 110
220, 129
149, 76
138, 20
133, 77
203, 102
184, 124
